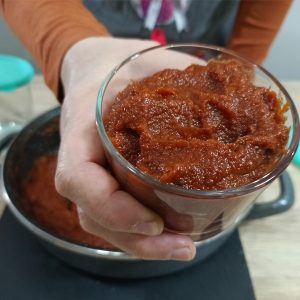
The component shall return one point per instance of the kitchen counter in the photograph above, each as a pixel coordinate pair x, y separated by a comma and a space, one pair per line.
272, 245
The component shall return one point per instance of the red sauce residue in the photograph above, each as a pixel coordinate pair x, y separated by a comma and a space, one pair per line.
52, 211
206, 127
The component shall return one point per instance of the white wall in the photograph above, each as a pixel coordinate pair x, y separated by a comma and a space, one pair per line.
284, 58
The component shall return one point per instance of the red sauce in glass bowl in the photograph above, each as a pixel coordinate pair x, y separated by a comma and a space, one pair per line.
205, 127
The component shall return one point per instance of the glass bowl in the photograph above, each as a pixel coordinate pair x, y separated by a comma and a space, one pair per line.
198, 213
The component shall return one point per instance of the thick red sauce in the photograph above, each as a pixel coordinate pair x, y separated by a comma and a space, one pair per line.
205, 127
52, 211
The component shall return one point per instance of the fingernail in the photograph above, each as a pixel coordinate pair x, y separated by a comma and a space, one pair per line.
148, 228
184, 253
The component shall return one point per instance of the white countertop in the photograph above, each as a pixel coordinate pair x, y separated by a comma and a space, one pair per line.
272, 245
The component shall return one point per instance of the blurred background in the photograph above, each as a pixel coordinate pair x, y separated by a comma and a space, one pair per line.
283, 59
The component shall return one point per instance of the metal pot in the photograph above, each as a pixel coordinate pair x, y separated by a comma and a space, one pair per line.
41, 137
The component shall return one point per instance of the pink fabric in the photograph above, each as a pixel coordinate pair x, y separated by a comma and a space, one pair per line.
166, 11
159, 36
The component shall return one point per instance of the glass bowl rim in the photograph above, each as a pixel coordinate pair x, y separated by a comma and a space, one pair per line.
281, 165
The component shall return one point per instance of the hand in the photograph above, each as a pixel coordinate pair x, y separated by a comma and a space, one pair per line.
104, 209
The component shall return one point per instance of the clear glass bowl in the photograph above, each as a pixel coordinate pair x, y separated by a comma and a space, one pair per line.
198, 213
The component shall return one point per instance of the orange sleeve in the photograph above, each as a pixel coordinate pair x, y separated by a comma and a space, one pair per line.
48, 28
256, 26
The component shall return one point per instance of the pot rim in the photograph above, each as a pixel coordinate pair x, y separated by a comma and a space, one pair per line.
90, 251
70, 246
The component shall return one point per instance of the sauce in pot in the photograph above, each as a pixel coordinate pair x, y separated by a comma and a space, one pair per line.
52, 211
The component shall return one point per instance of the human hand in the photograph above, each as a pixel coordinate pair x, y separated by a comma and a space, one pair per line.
104, 209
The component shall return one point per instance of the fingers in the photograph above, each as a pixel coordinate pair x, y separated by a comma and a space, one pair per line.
118, 217
97, 192
162, 247
81, 177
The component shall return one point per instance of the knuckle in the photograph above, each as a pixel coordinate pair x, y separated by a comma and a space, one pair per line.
84, 223
106, 215
144, 251
62, 181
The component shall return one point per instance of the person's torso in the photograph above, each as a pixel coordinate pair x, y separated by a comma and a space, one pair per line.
207, 21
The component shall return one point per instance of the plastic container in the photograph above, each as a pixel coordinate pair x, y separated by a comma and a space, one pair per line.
15, 92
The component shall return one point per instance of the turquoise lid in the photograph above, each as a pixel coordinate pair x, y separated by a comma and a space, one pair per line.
296, 159
14, 72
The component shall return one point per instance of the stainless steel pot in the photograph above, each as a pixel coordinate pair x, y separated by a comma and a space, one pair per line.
40, 137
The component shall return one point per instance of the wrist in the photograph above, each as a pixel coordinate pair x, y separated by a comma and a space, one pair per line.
75, 60
92, 55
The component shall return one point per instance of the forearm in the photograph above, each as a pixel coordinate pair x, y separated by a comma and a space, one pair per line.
256, 26
48, 28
